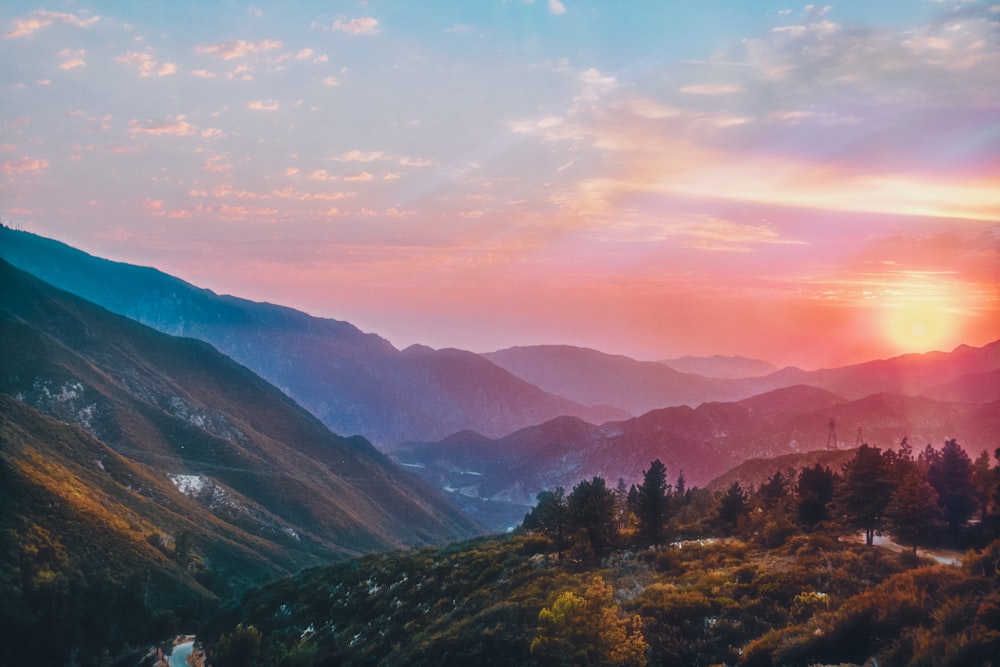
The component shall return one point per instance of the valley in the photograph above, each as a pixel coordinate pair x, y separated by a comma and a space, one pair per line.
154, 480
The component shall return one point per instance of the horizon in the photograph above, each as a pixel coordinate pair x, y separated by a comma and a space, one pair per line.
808, 185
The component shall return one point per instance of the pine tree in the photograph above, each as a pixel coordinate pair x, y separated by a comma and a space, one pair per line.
865, 491
734, 505
653, 504
912, 509
591, 515
814, 489
950, 472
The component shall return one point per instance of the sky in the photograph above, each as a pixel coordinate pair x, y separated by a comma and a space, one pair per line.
807, 184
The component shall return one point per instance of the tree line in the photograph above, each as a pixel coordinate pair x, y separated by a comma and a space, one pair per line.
939, 496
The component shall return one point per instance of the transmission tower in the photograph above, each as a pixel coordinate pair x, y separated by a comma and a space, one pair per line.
831, 435
859, 439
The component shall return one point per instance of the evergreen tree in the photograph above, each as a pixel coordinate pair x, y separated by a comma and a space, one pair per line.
950, 472
549, 516
774, 490
865, 491
681, 487
734, 505
653, 504
912, 509
814, 489
983, 481
591, 514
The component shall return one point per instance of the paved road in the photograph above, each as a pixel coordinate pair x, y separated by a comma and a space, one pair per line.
180, 655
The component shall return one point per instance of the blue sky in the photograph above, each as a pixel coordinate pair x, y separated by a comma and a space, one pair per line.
811, 184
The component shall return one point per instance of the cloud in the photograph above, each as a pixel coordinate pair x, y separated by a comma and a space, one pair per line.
331, 81
170, 126
363, 176
204, 74
42, 18
263, 105
145, 64
24, 165
304, 54
361, 26
361, 156
713, 89
72, 63
238, 48
595, 84
556, 7
291, 171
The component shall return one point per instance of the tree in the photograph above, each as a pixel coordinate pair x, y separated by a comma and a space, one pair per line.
587, 630
549, 516
591, 514
774, 490
950, 472
734, 505
983, 481
240, 648
653, 504
865, 491
814, 489
912, 509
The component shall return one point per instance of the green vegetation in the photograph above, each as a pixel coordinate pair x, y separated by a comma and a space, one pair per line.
765, 576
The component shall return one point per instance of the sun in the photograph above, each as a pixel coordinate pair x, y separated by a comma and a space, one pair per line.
919, 327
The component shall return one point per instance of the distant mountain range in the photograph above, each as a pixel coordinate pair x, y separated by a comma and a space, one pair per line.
356, 383
492, 430
117, 440
703, 442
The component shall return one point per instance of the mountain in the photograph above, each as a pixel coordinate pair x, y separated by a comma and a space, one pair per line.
595, 378
353, 381
908, 374
703, 442
754, 472
174, 429
720, 366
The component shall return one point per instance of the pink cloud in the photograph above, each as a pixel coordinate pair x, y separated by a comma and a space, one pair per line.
170, 126
238, 48
145, 64
361, 26
263, 105
363, 176
42, 18
24, 165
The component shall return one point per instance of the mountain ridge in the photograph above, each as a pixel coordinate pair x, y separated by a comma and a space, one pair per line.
355, 382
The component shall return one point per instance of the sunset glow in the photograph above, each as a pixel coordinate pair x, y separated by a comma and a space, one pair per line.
812, 185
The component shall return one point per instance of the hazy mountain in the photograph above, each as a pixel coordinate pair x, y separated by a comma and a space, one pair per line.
720, 366
703, 442
909, 374
172, 436
595, 378
353, 381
